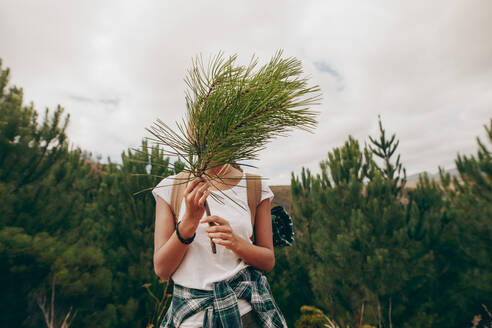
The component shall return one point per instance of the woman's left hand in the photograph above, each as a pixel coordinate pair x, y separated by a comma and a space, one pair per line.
221, 233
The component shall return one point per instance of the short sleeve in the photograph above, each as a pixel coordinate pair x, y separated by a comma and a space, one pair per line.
266, 192
163, 190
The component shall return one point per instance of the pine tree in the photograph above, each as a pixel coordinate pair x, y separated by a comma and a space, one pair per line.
469, 210
74, 218
27, 149
354, 235
382, 256
33, 159
64, 214
384, 149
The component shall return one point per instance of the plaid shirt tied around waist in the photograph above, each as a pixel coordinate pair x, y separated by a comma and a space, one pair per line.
220, 304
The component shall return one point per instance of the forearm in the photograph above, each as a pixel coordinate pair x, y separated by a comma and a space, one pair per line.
260, 257
168, 258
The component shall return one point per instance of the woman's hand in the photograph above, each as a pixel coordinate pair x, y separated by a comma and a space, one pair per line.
194, 196
261, 254
222, 234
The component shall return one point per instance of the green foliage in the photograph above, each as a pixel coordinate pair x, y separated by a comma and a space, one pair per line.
27, 149
384, 149
234, 110
64, 215
367, 248
381, 254
469, 207
289, 281
159, 302
311, 317
353, 235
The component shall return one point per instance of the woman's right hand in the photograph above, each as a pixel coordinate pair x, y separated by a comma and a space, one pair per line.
169, 252
194, 196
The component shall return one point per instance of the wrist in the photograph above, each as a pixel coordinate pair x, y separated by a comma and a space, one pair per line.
187, 228
240, 246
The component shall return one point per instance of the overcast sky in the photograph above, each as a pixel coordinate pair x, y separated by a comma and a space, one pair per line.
118, 66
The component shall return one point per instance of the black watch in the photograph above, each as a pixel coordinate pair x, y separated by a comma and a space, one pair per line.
184, 241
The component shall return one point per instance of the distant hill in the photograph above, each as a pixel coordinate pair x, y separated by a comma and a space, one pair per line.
282, 197
414, 178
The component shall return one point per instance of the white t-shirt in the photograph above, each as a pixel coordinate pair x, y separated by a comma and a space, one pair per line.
200, 268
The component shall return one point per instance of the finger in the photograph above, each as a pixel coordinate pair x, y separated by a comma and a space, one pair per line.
199, 193
214, 218
222, 242
191, 196
220, 235
192, 185
203, 198
219, 228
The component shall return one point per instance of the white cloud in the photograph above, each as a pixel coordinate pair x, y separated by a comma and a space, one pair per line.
116, 66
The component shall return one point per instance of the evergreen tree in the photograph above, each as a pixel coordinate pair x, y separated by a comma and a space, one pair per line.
45, 189
354, 235
128, 221
384, 149
290, 284
74, 219
27, 149
469, 209
387, 256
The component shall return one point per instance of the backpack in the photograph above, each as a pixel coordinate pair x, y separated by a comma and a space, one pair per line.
282, 227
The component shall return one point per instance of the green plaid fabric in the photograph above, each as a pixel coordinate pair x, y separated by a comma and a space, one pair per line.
220, 304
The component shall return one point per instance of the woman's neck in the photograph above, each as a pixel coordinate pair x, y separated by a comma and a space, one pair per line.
220, 170
223, 176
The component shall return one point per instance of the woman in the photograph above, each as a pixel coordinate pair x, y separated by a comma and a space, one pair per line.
226, 289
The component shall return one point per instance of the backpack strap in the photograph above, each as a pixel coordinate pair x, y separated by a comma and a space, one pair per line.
177, 193
253, 187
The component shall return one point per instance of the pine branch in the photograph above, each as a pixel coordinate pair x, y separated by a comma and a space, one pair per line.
233, 111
